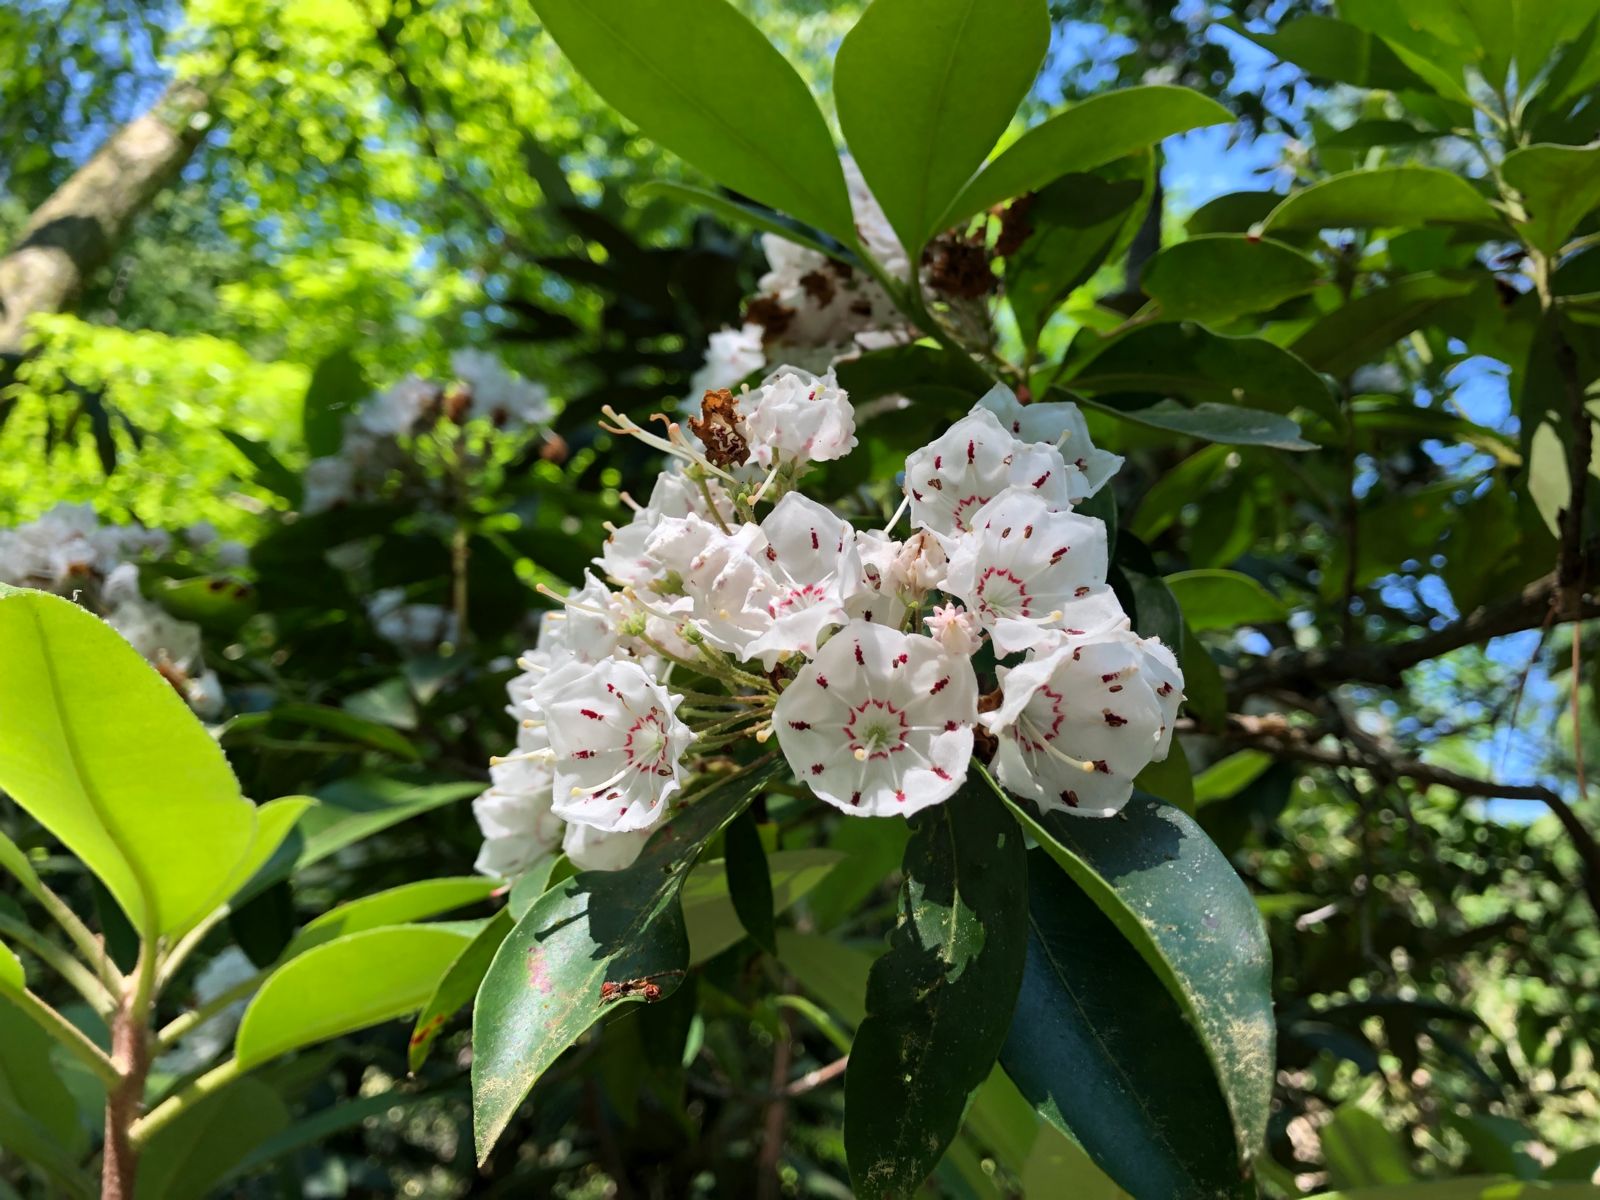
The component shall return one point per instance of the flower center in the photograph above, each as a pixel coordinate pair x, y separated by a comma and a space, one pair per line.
1002, 594
876, 728
646, 744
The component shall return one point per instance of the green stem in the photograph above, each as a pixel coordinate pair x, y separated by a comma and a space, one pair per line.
169, 1109
75, 973
92, 949
187, 944
68, 1034
178, 1027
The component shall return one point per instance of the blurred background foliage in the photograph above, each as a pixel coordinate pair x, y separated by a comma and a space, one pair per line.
408, 178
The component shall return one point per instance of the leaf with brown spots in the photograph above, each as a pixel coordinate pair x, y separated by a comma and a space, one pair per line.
939, 1001
545, 986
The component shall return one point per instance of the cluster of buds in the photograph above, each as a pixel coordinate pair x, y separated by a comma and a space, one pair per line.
735, 611
70, 552
376, 443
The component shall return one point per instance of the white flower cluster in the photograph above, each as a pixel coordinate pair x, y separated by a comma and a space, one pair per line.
69, 552
374, 433
810, 309
721, 626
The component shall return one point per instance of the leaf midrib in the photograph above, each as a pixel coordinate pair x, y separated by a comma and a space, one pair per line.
694, 101
941, 103
91, 793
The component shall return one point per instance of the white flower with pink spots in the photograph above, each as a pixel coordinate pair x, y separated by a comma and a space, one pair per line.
1024, 569
975, 460
1082, 716
880, 723
617, 743
795, 416
1060, 424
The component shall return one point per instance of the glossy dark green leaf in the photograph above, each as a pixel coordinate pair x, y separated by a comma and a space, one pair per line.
1483, 1187
1225, 423
1218, 277
924, 89
457, 987
1385, 198
687, 74
1075, 222
1558, 186
917, 371
1103, 1051
1189, 361
530, 885
543, 989
30, 1080
1085, 136
1357, 332
1360, 1151
1213, 599
1204, 693
1178, 901
940, 999
346, 726
270, 472
749, 882
337, 388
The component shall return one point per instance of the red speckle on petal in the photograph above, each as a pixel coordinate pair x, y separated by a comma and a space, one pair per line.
941, 773
938, 462
1070, 799
900, 796
1102, 766
1040, 482
822, 682
591, 714
1164, 690
800, 725
939, 686
1080, 593
855, 797
1114, 720
951, 726
971, 453
860, 658
583, 754
815, 544
816, 768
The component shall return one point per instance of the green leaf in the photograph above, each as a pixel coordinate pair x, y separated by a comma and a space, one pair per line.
531, 884
741, 215
345, 812
1360, 1151
924, 89
1336, 50
1225, 423
749, 881
15, 863
12, 977
38, 1116
1188, 360
1495, 1187
1218, 277
185, 1159
1213, 599
1385, 198
1175, 897
688, 74
1204, 693
940, 999
1428, 36
216, 602
1170, 779
346, 725
1357, 332
833, 972
1105, 1054
338, 387
543, 988
456, 989
395, 906
344, 985
1075, 223
270, 471
102, 751
1086, 136
1559, 186
1230, 776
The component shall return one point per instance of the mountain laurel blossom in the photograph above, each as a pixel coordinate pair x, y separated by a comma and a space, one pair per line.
733, 611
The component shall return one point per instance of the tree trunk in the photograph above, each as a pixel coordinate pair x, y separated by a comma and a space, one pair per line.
78, 229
